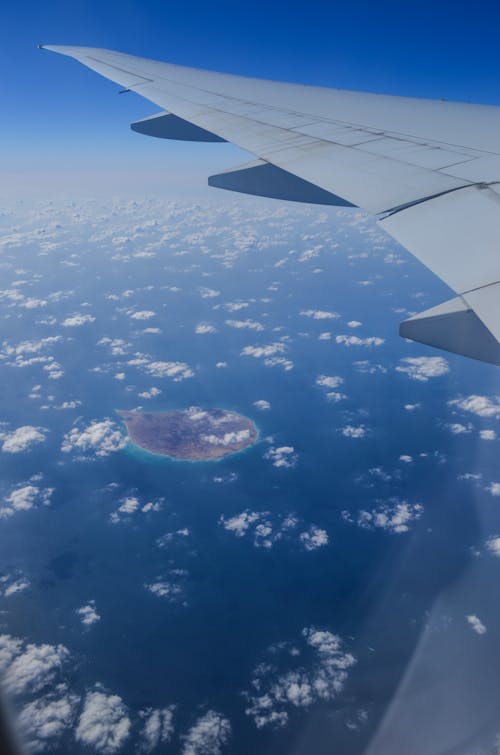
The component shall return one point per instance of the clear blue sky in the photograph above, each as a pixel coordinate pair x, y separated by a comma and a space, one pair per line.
57, 116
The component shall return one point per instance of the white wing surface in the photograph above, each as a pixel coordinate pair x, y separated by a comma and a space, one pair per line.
429, 170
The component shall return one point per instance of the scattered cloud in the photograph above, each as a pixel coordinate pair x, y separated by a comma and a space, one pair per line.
482, 406
158, 727
28, 668
43, 721
394, 516
313, 680
104, 723
25, 497
320, 314
88, 614
351, 431
356, 341
77, 320
22, 439
282, 457
208, 735
99, 438
204, 328
262, 404
476, 624
423, 368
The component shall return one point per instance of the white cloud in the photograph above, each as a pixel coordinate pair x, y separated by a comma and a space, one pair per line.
482, 406
29, 668
104, 723
88, 614
329, 381
240, 523
204, 328
406, 458
228, 439
208, 735
262, 404
319, 314
158, 727
423, 368
314, 538
144, 314
350, 431
487, 434
411, 407
458, 429
476, 624
77, 320
245, 324
43, 721
24, 498
18, 585
356, 341
395, 516
99, 438
493, 545
22, 439
494, 488
152, 393
176, 370
283, 457
354, 324
258, 352
275, 695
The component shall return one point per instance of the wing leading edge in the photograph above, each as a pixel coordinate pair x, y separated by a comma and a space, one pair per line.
429, 170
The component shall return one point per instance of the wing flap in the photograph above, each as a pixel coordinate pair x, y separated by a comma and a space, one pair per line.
453, 326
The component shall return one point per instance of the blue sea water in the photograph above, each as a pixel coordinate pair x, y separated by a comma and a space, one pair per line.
396, 599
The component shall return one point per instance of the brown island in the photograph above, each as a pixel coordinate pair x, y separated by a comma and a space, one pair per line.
192, 434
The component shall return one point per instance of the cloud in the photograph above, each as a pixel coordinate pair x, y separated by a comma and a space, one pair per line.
259, 352
487, 434
43, 721
266, 532
228, 439
24, 498
282, 457
423, 368
22, 439
275, 695
458, 429
101, 438
29, 668
262, 404
329, 381
88, 614
319, 314
494, 488
245, 324
314, 538
16, 586
395, 516
144, 314
77, 320
208, 735
493, 545
158, 727
350, 431
482, 406
476, 624
204, 328
104, 723
176, 370
356, 341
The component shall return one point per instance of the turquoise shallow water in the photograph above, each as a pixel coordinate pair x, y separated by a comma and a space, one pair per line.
239, 603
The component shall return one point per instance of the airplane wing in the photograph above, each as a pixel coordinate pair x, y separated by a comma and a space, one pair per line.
428, 170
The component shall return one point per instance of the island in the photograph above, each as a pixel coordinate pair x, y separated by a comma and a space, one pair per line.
192, 434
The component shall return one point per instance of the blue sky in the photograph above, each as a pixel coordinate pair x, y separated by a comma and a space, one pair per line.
60, 119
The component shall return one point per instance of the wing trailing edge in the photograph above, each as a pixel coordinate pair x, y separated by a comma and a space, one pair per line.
453, 326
